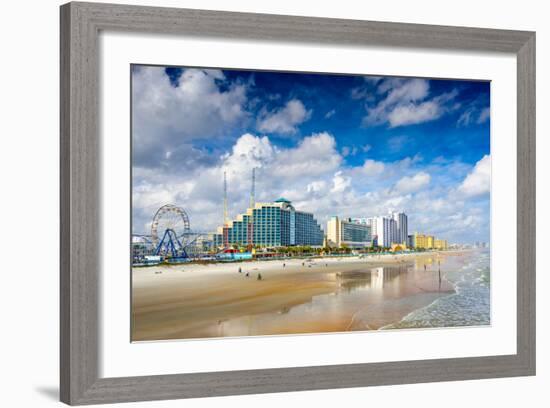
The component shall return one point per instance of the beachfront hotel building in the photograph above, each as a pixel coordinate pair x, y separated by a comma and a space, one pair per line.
348, 232
387, 230
421, 241
440, 244
401, 228
424, 241
272, 224
383, 229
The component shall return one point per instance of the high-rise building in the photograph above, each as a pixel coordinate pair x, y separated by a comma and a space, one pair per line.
402, 229
272, 225
349, 232
387, 230
383, 229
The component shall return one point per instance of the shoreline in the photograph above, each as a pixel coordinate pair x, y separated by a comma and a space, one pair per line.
214, 300
366, 256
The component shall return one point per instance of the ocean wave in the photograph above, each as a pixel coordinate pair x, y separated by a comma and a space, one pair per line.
468, 306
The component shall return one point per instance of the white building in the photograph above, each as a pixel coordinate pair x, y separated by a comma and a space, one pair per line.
382, 228
388, 230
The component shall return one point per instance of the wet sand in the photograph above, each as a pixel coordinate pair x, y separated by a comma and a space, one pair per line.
324, 295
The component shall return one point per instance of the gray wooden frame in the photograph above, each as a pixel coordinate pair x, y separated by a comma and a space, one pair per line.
80, 192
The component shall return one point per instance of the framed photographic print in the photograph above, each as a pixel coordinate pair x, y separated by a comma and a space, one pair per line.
260, 203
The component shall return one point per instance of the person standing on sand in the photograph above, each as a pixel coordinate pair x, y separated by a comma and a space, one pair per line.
259, 276
240, 270
284, 265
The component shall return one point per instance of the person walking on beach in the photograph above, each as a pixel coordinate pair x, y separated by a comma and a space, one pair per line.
240, 270
284, 265
259, 276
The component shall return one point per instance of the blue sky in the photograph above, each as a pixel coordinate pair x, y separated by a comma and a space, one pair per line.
333, 144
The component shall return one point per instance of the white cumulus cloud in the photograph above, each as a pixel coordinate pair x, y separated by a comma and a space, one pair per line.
284, 120
194, 108
410, 184
478, 181
340, 183
315, 155
414, 113
373, 167
165, 118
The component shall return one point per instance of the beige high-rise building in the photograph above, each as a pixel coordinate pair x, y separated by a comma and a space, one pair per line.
347, 232
333, 232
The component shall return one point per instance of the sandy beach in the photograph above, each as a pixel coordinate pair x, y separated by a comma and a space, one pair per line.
303, 296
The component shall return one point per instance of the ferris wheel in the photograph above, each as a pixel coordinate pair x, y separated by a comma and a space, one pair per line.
172, 219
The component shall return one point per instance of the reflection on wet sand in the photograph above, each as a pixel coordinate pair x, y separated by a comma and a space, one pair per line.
374, 278
333, 296
364, 299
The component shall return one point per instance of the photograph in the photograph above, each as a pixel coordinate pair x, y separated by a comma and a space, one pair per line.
283, 203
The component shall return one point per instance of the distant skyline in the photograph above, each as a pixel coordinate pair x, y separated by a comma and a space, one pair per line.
352, 146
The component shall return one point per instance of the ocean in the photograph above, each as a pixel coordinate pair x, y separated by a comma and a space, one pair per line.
469, 306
